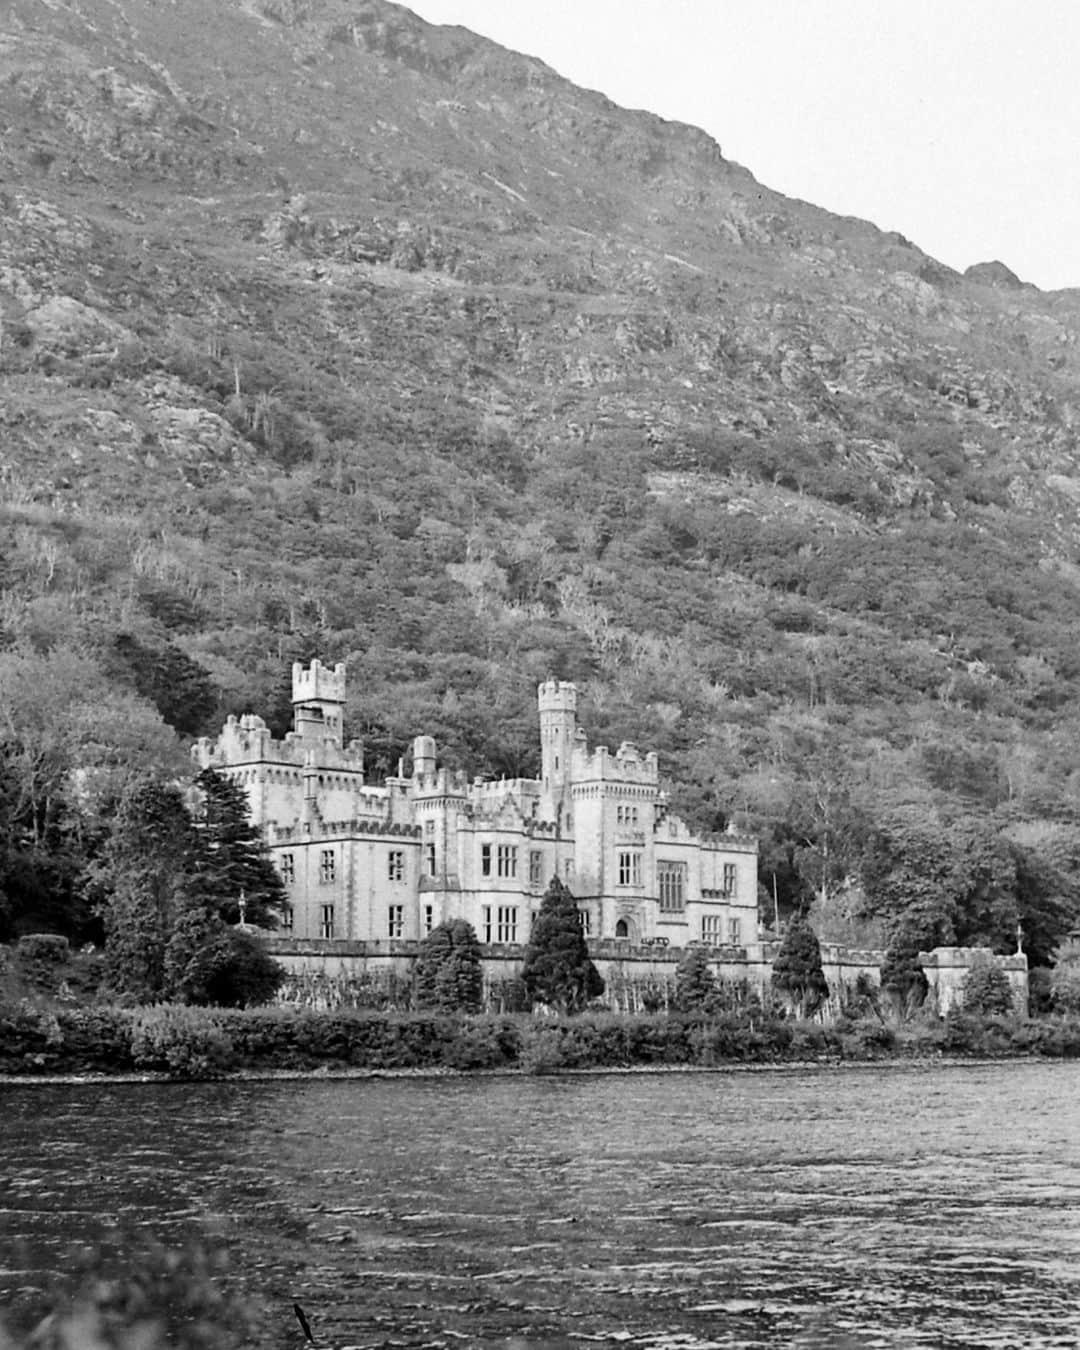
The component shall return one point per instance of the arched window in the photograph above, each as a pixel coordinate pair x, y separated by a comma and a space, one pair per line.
622, 929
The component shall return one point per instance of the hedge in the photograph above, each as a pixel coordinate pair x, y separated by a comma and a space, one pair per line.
184, 1042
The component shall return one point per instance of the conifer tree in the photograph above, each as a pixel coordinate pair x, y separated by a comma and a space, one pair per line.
902, 977
695, 986
986, 988
234, 857
147, 863
449, 974
797, 972
558, 970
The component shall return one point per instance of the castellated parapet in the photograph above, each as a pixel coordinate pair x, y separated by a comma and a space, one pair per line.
556, 696
319, 684
627, 765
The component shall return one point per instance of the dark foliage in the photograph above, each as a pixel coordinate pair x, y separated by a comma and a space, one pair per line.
695, 984
903, 980
233, 858
557, 969
797, 972
449, 974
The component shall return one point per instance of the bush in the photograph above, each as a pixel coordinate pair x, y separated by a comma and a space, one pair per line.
44, 947
128, 1293
96, 1040
865, 1038
30, 1037
185, 1042
986, 988
483, 1043
246, 975
543, 1049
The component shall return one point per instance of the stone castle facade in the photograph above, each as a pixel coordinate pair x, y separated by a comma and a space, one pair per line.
371, 863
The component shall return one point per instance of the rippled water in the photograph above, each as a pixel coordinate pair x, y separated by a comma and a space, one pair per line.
894, 1207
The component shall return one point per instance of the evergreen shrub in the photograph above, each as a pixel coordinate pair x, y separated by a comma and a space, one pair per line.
44, 947
96, 1039
184, 1042
30, 1038
543, 1049
483, 1043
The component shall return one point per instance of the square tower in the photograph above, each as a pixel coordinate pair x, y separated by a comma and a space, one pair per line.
318, 698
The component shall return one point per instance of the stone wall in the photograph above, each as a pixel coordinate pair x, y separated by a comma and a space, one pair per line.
637, 977
946, 969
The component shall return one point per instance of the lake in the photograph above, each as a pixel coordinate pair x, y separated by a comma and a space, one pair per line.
902, 1206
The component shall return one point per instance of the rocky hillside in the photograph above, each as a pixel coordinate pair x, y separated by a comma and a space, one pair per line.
324, 329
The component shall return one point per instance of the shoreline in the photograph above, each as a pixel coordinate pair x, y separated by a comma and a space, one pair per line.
357, 1074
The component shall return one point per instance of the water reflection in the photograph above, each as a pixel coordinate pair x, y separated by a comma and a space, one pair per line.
910, 1207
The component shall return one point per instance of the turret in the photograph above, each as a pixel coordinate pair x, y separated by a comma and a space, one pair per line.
558, 712
318, 696
423, 756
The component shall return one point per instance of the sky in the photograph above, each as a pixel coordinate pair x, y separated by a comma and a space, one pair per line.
955, 122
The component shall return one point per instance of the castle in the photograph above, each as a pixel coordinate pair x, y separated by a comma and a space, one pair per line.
370, 863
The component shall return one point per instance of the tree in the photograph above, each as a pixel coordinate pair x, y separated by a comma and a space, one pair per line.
986, 988
234, 858
558, 970
797, 972
449, 973
948, 881
695, 985
145, 876
207, 962
69, 742
903, 979
1065, 976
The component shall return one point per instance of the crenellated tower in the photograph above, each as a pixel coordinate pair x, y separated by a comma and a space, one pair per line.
318, 698
558, 725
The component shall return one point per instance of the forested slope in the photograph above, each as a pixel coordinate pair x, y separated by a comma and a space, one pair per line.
328, 332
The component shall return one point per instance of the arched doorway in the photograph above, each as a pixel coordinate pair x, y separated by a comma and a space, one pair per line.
622, 929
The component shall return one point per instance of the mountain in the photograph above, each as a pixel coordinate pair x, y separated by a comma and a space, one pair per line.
325, 330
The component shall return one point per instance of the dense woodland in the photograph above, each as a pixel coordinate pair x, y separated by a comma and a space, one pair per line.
290, 366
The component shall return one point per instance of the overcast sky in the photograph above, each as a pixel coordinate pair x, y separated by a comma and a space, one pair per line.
956, 122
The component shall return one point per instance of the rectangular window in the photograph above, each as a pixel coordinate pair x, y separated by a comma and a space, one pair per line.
729, 878
507, 860
429, 827
712, 930
287, 919
395, 861
734, 929
630, 869
619, 814
429, 918
395, 926
506, 930
486, 914
429, 860
586, 921
288, 868
536, 866
327, 866
568, 869
671, 886
485, 860
326, 925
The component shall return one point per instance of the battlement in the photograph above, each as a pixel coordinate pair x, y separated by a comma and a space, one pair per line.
306, 832
439, 783
556, 696
627, 765
319, 684
247, 740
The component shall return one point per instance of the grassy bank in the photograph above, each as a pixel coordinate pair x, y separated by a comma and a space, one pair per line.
207, 1043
